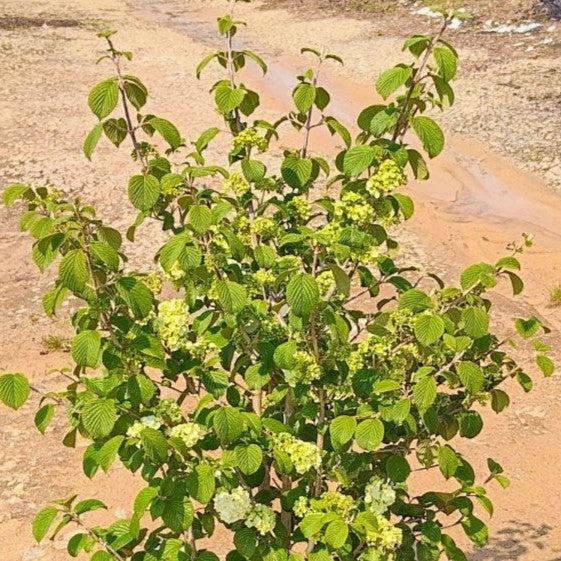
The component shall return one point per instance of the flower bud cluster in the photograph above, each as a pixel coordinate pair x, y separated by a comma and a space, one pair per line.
250, 138
325, 281
303, 455
306, 370
236, 184
354, 208
264, 227
300, 208
382, 541
330, 501
387, 178
169, 410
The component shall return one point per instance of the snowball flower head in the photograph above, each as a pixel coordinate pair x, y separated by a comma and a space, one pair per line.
172, 323
232, 506
189, 433
262, 518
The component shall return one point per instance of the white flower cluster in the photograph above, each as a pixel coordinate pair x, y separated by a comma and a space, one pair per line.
172, 323
378, 495
262, 518
305, 371
233, 505
303, 455
382, 541
149, 421
189, 433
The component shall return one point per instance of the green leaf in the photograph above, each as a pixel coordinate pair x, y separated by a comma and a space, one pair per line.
525, 381
14, 390
44, 416
369, 434
304, 96
99, 416
397, 468
91, 140
499, 400
89, 505
43, 521
231, 295
471, 376
296, 171
406, 205
105, 254
228, 98
341, 430
167, 130
471, 424
415, 300
200, 218
144, 191
476, 322
107, 454
418, 165
14, 192
86, 348
115, 130
103, 98
476, 530
527, 327
245, 541
429, 328
249, 458
446, 61
357, 159
253, 170
73, 270
135, 91
546, 365
392, 79
336, 533
480, 273
154, 444
227, 423
136, 295
429, 133
424, 392
178, 513
448, 461
201, 483
302, 294
312, 523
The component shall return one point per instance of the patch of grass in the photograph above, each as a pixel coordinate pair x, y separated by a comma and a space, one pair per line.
55, 343
555, 296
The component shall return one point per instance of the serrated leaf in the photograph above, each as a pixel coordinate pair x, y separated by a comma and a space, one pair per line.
448, 461
201, 483
392, 79
424, 392
14, 390
336, 533
429, 328
231, 295
227, 423
155, 444
476, 322
99, 416
341, 430
369, 434
228, 98
167, 130
446, 61
429, 133
86, 348
304, 96
73, 270
44, 416
43, 521
91, 140
296, 171
357, 159
144, 191
200, 218
471, 376
546, 365
103, 98
249, 458
302, 294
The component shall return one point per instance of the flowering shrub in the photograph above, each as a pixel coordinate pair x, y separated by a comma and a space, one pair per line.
258, 394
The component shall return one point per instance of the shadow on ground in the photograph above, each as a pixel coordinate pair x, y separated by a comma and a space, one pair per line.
516, 541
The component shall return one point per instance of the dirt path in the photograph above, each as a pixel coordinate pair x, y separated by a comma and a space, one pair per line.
474, 204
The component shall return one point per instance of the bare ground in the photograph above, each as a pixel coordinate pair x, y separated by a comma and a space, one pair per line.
475, 203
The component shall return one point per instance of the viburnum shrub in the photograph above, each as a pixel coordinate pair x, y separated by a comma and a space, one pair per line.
295, 377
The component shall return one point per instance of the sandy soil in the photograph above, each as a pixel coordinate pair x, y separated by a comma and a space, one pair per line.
475, 203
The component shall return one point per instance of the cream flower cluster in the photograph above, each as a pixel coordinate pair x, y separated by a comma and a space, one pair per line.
262, 518
300, 207
172, 323
149, 421
264, 227
330, 501
263, 277
232, 506
382, 541
303, 455
237, 184
387, 178
189, 433
325, 281
249, 138
378, 495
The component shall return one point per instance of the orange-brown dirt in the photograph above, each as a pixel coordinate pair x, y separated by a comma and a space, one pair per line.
475, 203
